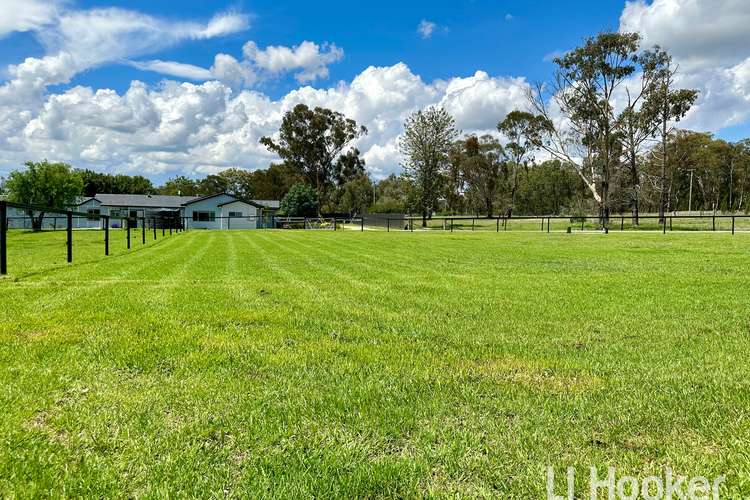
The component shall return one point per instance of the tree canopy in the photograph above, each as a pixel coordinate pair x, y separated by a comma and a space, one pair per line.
300, 201
44, 184
425, 145
314, 143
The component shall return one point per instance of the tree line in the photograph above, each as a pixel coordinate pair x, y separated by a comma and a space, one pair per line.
601, 137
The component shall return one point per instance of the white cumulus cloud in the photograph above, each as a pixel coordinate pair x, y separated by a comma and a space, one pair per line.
185, 128
309, 59
710, 42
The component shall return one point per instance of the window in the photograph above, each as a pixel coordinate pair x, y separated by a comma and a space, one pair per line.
235, 214
94, 213
204, 216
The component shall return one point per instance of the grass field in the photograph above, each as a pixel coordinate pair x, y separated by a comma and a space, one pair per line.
371, 364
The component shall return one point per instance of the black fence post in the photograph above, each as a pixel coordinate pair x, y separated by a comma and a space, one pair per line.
388, 225
732, 223
622, 224
143, 230
451, 225
663, 226
583, 221
472, 224
106, 235
497, 230
163, 229
171, 223
411, 225
362, 224
69, 230
153, 226
128, 222
714, 221
542, 223
548, 222
3, 238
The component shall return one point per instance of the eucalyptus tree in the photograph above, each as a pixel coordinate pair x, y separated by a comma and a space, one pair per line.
480, 167
583, 97
425, 146
665, 105
316, 143
522, 129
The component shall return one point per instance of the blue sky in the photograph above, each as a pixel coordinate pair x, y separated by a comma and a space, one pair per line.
216, 76
471, 35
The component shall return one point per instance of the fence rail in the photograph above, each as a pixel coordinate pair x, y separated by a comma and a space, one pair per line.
174, 224
47, 218
550, 223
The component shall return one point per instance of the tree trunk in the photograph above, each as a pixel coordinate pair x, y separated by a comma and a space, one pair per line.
664, 119
36, 222
605, 197
635, 186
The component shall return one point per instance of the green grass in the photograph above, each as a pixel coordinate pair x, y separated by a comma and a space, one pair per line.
371, 364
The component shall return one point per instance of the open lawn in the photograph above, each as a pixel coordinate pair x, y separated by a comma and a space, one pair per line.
372, 364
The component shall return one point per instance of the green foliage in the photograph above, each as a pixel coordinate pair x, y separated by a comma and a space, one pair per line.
391, 195
312, 142
180, 186
300, 201
274, 182
354, 196
238, 182
53, 185
720, 173
95, 183
480, 164
551, 189
426, 144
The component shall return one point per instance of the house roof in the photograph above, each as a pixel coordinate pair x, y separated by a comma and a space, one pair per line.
165, 202
80, 200
141, 200
269, 203
246, 202
207, 197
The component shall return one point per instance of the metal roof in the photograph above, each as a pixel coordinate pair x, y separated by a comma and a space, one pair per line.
163, 201
141, 200
269, 203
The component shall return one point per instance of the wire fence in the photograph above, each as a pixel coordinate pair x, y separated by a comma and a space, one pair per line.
54, 219
153, 227
558, 223
143, 228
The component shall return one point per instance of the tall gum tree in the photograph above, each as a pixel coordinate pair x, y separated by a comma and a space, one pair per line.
313, 141
425, 145
522, 130
584, 92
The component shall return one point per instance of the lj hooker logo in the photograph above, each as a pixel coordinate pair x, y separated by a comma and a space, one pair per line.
612, 487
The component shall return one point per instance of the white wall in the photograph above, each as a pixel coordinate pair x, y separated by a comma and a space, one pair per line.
249, 211
207, 205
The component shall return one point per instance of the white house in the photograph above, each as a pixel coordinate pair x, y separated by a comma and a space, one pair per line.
225, 211
217, 211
